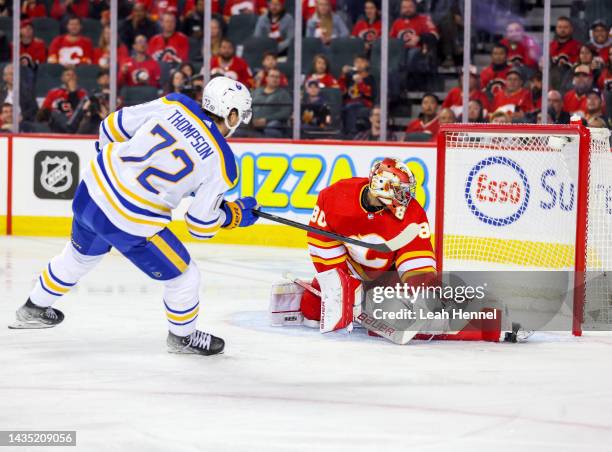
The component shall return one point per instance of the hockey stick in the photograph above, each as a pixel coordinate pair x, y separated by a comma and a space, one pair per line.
399, 241
365, 319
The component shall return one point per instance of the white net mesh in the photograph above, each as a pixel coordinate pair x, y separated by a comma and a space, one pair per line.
598, 307
510, 202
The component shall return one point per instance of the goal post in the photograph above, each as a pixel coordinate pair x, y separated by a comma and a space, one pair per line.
528, 197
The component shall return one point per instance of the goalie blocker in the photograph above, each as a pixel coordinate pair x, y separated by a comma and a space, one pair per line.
335, 301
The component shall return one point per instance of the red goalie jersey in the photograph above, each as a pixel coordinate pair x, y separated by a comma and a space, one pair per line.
340, 209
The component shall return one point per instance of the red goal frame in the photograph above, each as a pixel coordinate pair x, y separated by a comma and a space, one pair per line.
582, 197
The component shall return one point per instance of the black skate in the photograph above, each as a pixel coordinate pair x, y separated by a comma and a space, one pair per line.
198, 342
30, 316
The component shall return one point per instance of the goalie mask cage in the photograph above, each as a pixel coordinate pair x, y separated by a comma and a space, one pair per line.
529, 197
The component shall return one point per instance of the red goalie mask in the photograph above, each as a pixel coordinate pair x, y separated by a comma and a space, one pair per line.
393, 184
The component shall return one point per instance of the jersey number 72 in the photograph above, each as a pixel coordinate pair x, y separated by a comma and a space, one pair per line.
151, 171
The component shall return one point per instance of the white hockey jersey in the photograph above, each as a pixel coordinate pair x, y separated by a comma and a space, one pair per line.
152, 156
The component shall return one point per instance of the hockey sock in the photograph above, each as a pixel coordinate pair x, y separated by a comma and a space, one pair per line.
61, 274
181, 301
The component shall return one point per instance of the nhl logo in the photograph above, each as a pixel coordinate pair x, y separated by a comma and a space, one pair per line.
56, 174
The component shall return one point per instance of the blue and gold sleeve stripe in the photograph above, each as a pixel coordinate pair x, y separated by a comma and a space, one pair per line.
202, 229
113, 128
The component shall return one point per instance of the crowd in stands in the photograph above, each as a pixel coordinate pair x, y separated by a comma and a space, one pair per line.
65, 62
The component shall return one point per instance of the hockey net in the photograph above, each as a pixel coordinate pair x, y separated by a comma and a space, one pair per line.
523, 197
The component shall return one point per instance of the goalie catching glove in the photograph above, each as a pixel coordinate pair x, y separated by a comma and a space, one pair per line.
239, 213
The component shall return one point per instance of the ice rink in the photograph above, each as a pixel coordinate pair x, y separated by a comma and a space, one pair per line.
105, 372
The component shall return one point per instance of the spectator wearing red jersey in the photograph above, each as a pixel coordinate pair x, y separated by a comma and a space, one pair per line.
600, 41
61, 8
137, 23
276, 24
420, 37
102, 52
33, 8
72, 48
169, 46
357, 87
194, 18
326, 24
321, 73
605, 79
454, 98
575, 101
514, 99
139, 69
522, 48
564, 49
427, 121
60, 103
33, 49
235, 7
228, 64
493, 77
369, 27
269, 62
416, 30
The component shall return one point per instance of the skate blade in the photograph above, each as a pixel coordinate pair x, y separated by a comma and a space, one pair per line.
19, 325
184, 352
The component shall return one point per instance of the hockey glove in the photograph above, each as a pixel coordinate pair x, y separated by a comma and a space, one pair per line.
239, 213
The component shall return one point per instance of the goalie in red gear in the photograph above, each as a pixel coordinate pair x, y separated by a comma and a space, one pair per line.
376, 209
373, 209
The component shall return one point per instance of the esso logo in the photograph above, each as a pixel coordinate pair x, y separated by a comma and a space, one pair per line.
497, 191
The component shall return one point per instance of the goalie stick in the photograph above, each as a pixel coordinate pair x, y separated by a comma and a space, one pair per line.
399, 241
366, 319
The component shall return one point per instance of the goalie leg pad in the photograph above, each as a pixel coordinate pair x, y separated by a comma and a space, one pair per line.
285, 299
341, 296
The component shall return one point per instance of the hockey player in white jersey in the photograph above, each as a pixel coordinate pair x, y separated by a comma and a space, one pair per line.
150, 157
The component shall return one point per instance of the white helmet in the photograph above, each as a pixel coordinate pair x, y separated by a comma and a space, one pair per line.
222, 94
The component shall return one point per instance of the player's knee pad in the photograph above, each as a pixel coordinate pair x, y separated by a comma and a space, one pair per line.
70, 265
183, 290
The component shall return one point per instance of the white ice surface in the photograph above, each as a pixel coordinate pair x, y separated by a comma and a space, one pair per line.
105, 372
